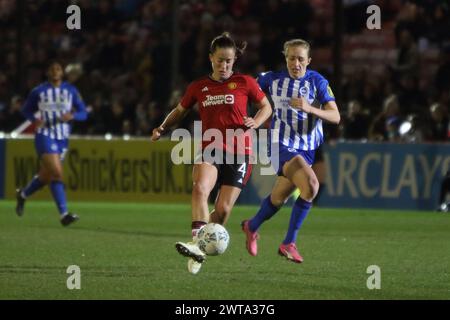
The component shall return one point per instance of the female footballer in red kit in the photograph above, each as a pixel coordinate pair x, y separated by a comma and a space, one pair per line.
222, 99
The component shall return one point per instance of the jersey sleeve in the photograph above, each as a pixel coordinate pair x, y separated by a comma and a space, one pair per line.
255, 92
189, 99
324, 92
80, 113
31, 105
264, 80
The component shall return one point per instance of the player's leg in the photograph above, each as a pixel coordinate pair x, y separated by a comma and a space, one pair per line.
224, 204
225, 201
37, 183
52, 163
299, 172
204, 176
281, 191
234, 177
39, 180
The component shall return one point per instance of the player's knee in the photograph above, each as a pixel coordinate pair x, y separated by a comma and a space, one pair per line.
291, 168
57, 175
312, 188
45, 178
199, 190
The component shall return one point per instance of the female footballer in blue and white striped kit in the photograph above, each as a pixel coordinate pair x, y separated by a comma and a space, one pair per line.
50, 107
302, 98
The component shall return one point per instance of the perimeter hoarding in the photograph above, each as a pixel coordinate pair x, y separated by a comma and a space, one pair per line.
384, 175
374, 175
101, 170
360, 175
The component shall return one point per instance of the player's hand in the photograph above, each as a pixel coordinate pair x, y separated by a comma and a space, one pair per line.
66, 117
250, 123
157, 132
300, 104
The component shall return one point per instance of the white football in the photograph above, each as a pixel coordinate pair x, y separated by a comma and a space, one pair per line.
213, 239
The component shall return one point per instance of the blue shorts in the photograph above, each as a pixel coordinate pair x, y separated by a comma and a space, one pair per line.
45, 144
285, 154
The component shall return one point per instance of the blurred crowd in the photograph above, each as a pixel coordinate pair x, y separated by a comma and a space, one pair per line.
121, 59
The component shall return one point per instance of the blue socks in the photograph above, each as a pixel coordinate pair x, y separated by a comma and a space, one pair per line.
266, 211
57, 188
32, 187
59, 195
299, 212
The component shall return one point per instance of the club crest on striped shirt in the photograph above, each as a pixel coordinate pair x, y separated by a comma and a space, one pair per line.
304, 91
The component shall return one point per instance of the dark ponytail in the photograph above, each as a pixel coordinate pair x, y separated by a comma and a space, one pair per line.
225, 41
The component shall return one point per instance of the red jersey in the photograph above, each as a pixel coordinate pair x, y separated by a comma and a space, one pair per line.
223, 105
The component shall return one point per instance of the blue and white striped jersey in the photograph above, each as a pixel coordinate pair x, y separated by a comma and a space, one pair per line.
52, 102
291, 127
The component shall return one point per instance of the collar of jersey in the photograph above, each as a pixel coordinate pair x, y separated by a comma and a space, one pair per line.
286, 72
47, 83
211, 78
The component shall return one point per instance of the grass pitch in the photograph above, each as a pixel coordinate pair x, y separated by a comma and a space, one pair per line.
126, 251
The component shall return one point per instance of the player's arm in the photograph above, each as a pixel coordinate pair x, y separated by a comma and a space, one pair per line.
30, 107
80, 113
264, 112
256, 94
325, 96
173, 118
329, 113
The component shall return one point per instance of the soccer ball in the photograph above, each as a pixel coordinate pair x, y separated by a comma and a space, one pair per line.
213, 239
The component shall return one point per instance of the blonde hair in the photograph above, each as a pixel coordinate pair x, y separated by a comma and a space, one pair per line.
296, 43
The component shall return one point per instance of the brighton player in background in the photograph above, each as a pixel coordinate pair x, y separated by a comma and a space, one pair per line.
222, 99
58, 103
302, 98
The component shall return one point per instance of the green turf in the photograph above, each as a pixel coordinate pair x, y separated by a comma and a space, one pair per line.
126, 251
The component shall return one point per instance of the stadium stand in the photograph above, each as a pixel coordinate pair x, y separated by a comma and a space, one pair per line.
123, 54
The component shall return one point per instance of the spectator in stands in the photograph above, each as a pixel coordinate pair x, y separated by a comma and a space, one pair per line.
14, 115
439, 23
410, 97
439, 124
356, 122
125, 45
385, 125
442, 77
407, 61
115, 118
